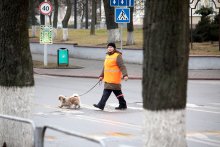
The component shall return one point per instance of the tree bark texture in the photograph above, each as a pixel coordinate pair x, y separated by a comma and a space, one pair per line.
32, 10
165, 72
67, 15
16, 73
165, 128
165, 69
75, 14
113, 35
16, 101
42, 17
130, 38
15, 57
109, 15
33, 18
130, 26
130, 29
219, 29
65, 34
55, 14
87, 13
55, 19
92, 30
112, 27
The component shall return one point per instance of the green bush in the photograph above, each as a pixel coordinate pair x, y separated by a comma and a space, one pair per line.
206, 30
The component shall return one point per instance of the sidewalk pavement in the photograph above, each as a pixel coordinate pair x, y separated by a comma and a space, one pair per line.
93, 68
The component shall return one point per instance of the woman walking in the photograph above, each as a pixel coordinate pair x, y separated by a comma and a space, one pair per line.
114, 69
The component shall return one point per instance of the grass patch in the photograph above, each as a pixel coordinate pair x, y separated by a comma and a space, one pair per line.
206, 48
82, 37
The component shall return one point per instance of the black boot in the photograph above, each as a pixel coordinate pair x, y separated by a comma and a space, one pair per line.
122, 103
103, 100
95, 105
121, 107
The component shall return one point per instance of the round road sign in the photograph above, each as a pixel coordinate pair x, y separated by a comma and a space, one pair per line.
45, 8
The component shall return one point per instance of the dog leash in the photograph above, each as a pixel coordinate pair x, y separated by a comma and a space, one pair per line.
99, 82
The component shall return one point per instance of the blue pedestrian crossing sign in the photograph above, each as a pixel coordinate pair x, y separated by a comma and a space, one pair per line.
122, 15
118, 3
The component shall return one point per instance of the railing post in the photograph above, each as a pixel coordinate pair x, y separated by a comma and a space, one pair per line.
39, 137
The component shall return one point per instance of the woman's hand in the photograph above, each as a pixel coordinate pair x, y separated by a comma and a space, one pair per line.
125, 78
100, 78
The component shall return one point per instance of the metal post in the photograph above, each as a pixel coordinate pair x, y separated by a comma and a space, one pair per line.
39, 137
121, 35
45, 54
45, 45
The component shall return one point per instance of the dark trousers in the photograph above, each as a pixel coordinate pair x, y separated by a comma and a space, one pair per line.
107, 93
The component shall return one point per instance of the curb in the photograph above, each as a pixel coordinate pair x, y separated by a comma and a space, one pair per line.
130, 78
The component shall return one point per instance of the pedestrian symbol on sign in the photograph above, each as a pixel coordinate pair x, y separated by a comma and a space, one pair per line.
122, 15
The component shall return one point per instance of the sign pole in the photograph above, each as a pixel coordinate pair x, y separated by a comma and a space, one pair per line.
45, 54
45, 38
121, 36
45, 45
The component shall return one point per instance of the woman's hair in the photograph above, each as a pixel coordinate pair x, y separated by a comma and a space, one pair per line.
111, 44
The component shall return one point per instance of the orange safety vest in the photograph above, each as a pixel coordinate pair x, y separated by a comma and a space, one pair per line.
112, 73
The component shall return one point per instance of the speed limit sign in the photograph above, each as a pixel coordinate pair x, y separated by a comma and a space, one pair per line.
45, 8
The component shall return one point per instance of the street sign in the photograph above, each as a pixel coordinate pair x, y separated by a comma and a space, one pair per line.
131, 3
114, 3
122, 15
122, 3
45, 8
118, 3
46, 34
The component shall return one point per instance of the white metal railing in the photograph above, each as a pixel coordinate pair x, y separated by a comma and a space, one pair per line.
39, 132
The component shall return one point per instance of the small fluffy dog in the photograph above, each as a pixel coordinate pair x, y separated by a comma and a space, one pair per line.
70, 101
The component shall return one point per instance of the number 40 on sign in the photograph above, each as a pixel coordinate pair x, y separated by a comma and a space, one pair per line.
45, 8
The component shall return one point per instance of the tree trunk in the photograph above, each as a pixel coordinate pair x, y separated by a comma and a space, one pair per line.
67, 15
75, 14
16, 80
92, 30
66, 20
165, 72
55, 14
219, 29
33, 19
130, 29
65, 34
42, 17
112, 27
87, 14
113, 35
55, 19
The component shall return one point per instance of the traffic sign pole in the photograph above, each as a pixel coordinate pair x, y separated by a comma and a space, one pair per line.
121, 36
45, 54
45, 9
45, 45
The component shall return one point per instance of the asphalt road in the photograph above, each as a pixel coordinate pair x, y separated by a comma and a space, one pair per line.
120, 128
